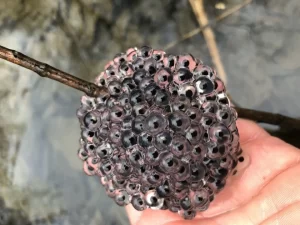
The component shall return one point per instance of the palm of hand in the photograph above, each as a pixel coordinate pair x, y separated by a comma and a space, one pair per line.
266, 190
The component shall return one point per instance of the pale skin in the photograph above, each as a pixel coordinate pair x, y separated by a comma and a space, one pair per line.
265, 191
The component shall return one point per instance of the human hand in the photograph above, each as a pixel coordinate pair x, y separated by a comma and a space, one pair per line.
265, 191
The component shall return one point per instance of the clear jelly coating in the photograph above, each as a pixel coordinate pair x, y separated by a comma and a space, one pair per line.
164, 136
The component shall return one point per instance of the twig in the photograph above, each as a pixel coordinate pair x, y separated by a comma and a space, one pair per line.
288, 135
198, 8
93, 90
44, 70
221, 17
284, 122
233, 10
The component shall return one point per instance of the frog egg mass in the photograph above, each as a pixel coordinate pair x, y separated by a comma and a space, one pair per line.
164, 136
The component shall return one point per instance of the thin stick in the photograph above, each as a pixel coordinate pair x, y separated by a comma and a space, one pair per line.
44, 70
270, 118
233, 10
198, 8
221, 17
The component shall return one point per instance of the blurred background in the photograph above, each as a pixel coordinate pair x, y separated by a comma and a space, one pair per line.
256, 49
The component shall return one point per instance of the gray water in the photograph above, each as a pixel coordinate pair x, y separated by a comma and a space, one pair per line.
40, 172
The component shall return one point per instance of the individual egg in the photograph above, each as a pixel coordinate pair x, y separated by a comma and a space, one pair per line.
204, 86
178, 121
138, 202
186, 61
163, 77
155, 123
122, 198
92, 120
152, 199
182, 76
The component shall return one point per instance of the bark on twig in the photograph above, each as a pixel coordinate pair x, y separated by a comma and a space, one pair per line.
44, 70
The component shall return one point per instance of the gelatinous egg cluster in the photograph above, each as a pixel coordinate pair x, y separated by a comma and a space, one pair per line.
164, 136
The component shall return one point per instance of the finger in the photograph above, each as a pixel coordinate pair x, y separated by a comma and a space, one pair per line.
279, 194
276, 202
287, 216
268, 157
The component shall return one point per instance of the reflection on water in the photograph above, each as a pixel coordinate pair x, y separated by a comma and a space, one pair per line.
40, 173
